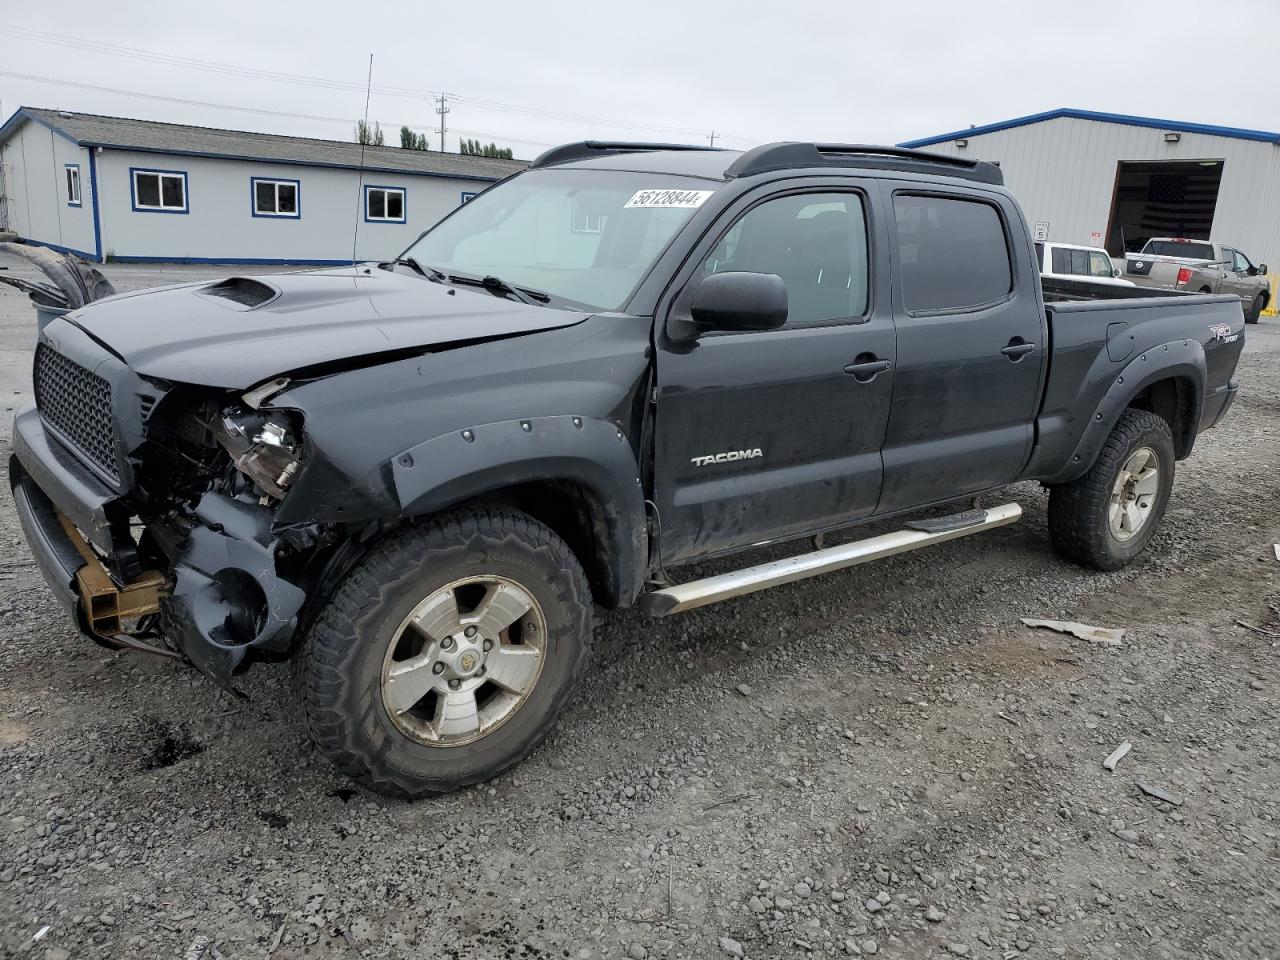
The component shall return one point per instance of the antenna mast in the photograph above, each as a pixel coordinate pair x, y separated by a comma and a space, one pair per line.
364, 140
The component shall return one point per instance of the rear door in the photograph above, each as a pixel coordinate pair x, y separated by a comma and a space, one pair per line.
971, 345
771, 434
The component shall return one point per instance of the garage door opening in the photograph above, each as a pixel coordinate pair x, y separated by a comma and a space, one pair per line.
1162, 199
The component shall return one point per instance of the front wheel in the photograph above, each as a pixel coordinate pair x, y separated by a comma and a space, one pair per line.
1254, 313
1105, 518
446, 655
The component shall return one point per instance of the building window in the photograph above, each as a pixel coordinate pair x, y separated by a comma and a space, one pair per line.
275, 198
384, 205
159, 191
73, 183
468, 195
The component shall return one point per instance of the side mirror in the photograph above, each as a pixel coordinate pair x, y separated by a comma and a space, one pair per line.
1262, 269
740, 301
1115, 272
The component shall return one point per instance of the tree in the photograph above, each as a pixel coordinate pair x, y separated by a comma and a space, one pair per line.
474, 148
370, 135
412, 141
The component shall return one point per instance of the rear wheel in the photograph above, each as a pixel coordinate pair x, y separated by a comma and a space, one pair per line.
1253, 314
1105, 518
447, 654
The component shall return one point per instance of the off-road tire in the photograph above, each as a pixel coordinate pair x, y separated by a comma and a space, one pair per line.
1078, 511
1253, 314
340, 665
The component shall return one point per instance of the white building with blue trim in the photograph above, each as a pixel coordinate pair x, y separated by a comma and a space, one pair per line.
111, 188
1115, 180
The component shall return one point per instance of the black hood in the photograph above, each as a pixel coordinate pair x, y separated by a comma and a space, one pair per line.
239, 332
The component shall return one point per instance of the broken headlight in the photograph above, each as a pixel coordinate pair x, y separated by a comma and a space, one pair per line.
266, 446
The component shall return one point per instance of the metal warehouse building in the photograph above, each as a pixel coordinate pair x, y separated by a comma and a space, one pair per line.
136, 190
1112, 180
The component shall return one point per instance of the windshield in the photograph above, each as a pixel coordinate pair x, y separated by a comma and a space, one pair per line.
1180, 248
584, 236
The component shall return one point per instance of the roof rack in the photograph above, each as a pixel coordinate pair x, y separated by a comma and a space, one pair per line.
586, 149
787, 156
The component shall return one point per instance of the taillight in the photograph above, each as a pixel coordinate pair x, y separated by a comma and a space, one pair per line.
1184, 276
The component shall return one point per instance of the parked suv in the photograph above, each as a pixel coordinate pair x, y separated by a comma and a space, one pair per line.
416, 479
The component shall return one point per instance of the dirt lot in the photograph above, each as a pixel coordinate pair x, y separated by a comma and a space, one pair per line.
879, 761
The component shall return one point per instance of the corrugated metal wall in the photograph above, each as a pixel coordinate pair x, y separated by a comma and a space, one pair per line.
1064, 171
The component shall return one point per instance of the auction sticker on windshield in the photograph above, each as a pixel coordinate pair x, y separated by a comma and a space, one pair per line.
668, 198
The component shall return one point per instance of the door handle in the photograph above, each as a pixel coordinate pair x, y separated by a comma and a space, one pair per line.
1017, 348
866, 370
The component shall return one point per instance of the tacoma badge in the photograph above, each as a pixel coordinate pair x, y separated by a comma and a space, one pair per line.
727, 457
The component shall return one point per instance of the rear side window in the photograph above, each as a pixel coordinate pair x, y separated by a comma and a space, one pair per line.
1068, 261
952, 253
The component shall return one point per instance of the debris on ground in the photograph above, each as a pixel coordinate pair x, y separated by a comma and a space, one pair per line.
1117, 755
1160, 793
1104, 636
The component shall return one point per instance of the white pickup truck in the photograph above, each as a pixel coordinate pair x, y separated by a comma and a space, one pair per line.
1200, 266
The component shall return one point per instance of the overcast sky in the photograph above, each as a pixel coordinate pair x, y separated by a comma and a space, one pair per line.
832, 70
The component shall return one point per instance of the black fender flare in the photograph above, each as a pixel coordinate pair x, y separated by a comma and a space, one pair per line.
593, 453
1177, 359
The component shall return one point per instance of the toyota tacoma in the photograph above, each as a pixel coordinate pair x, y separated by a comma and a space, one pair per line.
417, 479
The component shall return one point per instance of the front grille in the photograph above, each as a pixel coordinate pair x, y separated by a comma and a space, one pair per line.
77, 403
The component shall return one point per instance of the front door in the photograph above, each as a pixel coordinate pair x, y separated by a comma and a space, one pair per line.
773, 434
972, 346
1238, 279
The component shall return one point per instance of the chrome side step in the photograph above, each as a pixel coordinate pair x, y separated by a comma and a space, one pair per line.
698, 593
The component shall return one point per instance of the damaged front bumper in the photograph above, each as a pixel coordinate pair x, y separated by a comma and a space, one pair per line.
222, 598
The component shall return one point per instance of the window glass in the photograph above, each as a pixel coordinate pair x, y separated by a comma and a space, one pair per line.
171, 191
1242, 263
1061, 260
1179, 248
1040, 255
266, 196
275, 198
1100, 264
817, 244
952, 253
148, 190
384, 203
530, 231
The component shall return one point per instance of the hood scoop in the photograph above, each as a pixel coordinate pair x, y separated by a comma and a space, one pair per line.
246, 292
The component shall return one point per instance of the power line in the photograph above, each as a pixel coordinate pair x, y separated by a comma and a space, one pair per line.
133, 53
240, 109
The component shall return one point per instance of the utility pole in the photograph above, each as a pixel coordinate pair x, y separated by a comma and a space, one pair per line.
442, 110
711, 137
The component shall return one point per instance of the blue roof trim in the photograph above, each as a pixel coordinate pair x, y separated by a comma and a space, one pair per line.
1237, 133
289, 163
22, 114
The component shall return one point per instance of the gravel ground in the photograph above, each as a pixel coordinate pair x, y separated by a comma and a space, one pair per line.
881, 761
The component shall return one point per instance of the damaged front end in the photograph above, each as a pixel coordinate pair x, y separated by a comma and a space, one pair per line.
236, 577
166, 531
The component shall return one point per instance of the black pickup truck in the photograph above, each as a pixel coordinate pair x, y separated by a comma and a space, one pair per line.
415, 478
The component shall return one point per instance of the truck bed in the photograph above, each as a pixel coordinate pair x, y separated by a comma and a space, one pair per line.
1099, 332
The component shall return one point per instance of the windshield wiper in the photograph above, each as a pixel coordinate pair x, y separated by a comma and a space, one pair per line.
498, 285
431, 273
